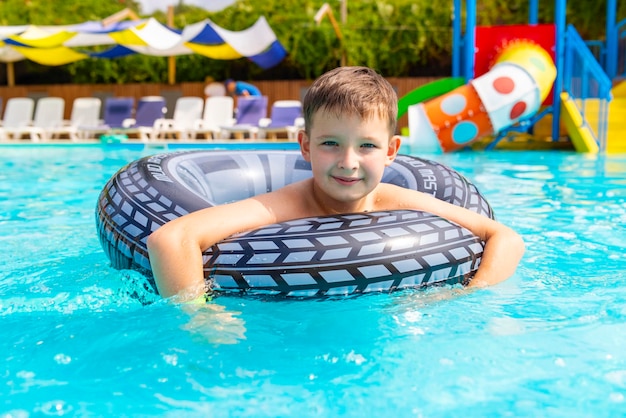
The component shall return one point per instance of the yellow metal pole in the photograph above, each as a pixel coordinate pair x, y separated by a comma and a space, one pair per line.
326, 10
171, 61
10, 74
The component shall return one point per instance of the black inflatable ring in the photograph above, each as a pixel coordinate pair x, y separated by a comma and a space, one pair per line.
329, 255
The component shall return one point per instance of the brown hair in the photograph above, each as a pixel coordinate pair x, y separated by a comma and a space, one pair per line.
354, 91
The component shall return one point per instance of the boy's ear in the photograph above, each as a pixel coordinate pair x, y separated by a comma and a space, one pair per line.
305, 145
394, 147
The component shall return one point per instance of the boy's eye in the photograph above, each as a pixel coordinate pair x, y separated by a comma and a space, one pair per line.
330, 143
368, 146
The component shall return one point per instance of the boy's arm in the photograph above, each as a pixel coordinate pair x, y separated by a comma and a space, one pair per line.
504, 247
503, 251
176, 248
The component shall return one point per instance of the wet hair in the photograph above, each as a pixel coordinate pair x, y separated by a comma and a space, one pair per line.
357, 91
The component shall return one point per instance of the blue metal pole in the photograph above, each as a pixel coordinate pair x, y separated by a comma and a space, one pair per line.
470, 39
611, 39
559, 22
533, 13
457, 41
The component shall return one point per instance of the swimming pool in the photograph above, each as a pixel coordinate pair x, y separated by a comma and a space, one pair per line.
550, 341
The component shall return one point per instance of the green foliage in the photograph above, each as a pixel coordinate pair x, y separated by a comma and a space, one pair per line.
408, 37
397, 37
50, 12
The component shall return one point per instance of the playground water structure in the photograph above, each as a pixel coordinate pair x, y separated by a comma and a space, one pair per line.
511, 91
506, 79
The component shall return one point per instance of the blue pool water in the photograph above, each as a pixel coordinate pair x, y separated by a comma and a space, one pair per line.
548, 342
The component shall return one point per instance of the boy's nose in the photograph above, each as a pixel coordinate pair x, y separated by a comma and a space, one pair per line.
348, 159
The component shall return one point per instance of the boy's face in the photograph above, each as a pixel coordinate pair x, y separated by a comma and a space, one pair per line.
348, 154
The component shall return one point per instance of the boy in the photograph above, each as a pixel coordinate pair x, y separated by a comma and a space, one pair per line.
350, 119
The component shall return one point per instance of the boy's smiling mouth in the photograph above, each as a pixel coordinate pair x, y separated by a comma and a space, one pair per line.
346, 180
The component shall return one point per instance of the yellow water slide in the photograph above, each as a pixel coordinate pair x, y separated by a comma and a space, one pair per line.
582, 131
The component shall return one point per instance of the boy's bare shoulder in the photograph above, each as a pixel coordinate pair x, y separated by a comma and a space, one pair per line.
393, 191
393, 197
289, 202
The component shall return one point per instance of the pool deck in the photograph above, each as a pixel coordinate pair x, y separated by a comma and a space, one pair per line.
517, 143
161, 144
523, 142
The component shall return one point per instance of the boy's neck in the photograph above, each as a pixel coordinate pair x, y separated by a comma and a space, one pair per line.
326, 205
